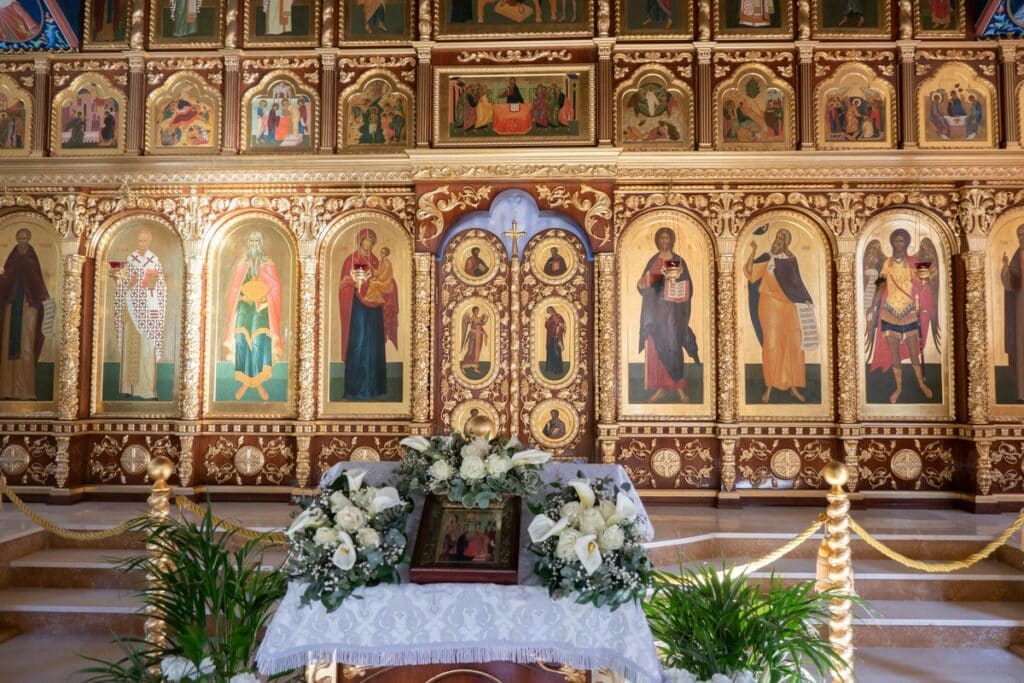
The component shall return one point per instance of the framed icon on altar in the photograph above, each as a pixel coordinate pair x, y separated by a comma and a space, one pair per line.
456, 544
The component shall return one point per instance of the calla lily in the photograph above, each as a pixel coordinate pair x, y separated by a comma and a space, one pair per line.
583, 490
530, 457
355, 479
588, 553
625, 509
417, 443
338, 501
543, 527
386, 497
345, 555
310, 517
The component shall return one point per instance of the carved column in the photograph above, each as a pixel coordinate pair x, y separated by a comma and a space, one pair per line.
604, 19
424, 89
906, 86
852, 463
604, 90
329, 24
137, 26
604, 339
705, 132
806, 94
728, 465
846, 333
231, 24
185, 459
1011, 122
136, 102
977, 342
232, 98
307, 328
328, 100
906, 20
726, 332
40, 128
803, 19
191, 345
426, 20
704, 20
984, 466
302, 458
423, 330
71, 332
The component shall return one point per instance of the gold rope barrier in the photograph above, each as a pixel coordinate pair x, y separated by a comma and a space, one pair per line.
938, 567
61, 531
271, 538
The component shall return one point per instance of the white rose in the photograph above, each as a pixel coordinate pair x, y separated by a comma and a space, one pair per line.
440, 470
338, 501
175, 668
206, 666
368, 538
566, 549
571, 511
326, 537
719, 678
498, 465
345, 554
244, 678
591, 521
472, 469
416, 443
477, 448
679, 676
351, 518
607, 508
611, 538
364, 497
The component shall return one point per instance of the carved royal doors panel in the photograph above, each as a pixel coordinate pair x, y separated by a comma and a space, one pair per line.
514, 333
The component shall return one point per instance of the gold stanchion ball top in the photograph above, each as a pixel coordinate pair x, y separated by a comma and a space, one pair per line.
160, 468
479, 426
835, 473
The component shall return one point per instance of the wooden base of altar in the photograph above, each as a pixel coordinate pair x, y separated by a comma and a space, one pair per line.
490, 672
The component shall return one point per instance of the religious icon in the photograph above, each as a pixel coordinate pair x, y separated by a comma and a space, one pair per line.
500, 18
26, 320
474, 344
368, 305
553, 423
279, 116
956, 108
253, 334
88, 118
755, 111
782, 314
753, 19
377, 21
185, 23
940, 17
139, 283
666, 329
1015, 10
554, 428
467, 409
666, 337
17, 24
184, 116
541, 105
646, 19
475, 261
106, 23
555, 266
854, 109
852, 18
376, 115
281, 22
555, 366
15, 118
1011, 276
456, 544
901, 318
474, 265
654, 111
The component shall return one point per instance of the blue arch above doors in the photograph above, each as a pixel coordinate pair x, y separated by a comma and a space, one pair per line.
521, 207
52, 26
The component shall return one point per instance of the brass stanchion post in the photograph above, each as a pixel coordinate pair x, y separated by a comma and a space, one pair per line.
159, 507
840, 569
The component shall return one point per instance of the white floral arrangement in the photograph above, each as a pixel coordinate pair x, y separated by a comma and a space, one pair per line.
589, 540
472, 472
684, 676
178, 669
347, 536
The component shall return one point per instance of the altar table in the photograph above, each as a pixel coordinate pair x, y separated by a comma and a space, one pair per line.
460, 623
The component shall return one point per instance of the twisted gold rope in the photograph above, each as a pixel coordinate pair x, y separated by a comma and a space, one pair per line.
939, 567
771, 557
59, 530
271, 538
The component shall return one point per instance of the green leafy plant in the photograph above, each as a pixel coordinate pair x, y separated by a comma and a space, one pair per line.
710, 622
213, 594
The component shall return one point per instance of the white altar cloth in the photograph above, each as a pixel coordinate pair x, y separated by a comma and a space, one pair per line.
460, 623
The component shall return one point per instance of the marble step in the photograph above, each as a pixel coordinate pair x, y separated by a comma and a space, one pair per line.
66, 611
989, 580
930, 623
87, 568
937, 665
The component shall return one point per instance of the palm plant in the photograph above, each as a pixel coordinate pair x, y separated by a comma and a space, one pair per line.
709, 622
213, 595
